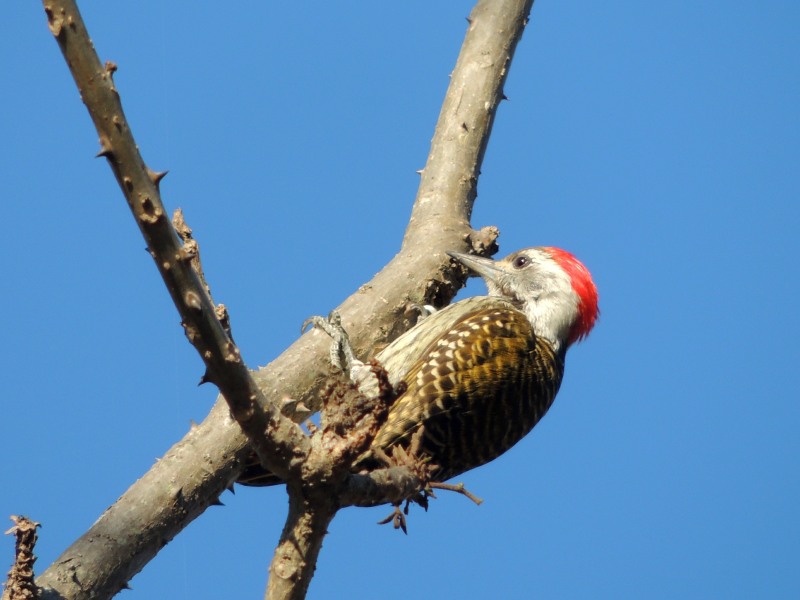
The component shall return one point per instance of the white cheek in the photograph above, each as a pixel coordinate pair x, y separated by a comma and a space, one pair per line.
555, 309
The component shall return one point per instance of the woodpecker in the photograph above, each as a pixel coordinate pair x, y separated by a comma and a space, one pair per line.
483, 382
482, 372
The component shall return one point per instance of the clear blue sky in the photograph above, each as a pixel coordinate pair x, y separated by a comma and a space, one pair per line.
658, 141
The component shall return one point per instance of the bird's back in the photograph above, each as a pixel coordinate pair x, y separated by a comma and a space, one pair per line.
478, 388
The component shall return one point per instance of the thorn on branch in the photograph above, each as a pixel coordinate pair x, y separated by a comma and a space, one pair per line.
295, 410
111, 68
207, 377
105, 149
156, 177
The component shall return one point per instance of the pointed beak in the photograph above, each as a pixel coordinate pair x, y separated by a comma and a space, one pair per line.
485, 267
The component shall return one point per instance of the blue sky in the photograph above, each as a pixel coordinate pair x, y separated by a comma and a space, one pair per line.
657, 141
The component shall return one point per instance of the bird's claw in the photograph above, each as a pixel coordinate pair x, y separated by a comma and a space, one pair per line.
397, 519
341, 353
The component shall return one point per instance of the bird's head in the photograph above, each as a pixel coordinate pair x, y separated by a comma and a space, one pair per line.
549, 285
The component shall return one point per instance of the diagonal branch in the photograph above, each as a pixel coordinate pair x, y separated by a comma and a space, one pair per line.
197, 469
224, 365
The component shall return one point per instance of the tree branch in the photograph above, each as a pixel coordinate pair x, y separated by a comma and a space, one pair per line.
197, 469
139, 184
296, 556
443, 207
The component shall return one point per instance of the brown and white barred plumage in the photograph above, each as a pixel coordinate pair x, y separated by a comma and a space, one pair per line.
481, 388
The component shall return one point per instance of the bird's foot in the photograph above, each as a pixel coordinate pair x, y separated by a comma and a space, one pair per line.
397, 518
342, 356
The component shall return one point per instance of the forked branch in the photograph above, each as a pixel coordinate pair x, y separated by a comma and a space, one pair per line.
190, 477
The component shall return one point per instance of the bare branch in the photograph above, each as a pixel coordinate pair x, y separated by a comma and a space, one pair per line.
197, 469
296, 555
384, 486
450, 178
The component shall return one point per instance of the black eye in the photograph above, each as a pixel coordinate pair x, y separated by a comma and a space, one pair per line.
520, 262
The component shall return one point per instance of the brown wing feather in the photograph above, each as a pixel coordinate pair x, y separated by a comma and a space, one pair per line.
477, 390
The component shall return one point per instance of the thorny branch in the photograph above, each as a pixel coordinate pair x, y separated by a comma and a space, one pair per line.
140, 186
190, 477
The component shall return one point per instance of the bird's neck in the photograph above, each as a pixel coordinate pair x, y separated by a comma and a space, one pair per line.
551, 319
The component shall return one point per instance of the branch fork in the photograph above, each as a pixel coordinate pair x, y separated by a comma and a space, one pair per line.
211, 455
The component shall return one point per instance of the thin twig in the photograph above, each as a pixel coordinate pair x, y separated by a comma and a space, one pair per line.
458, 488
